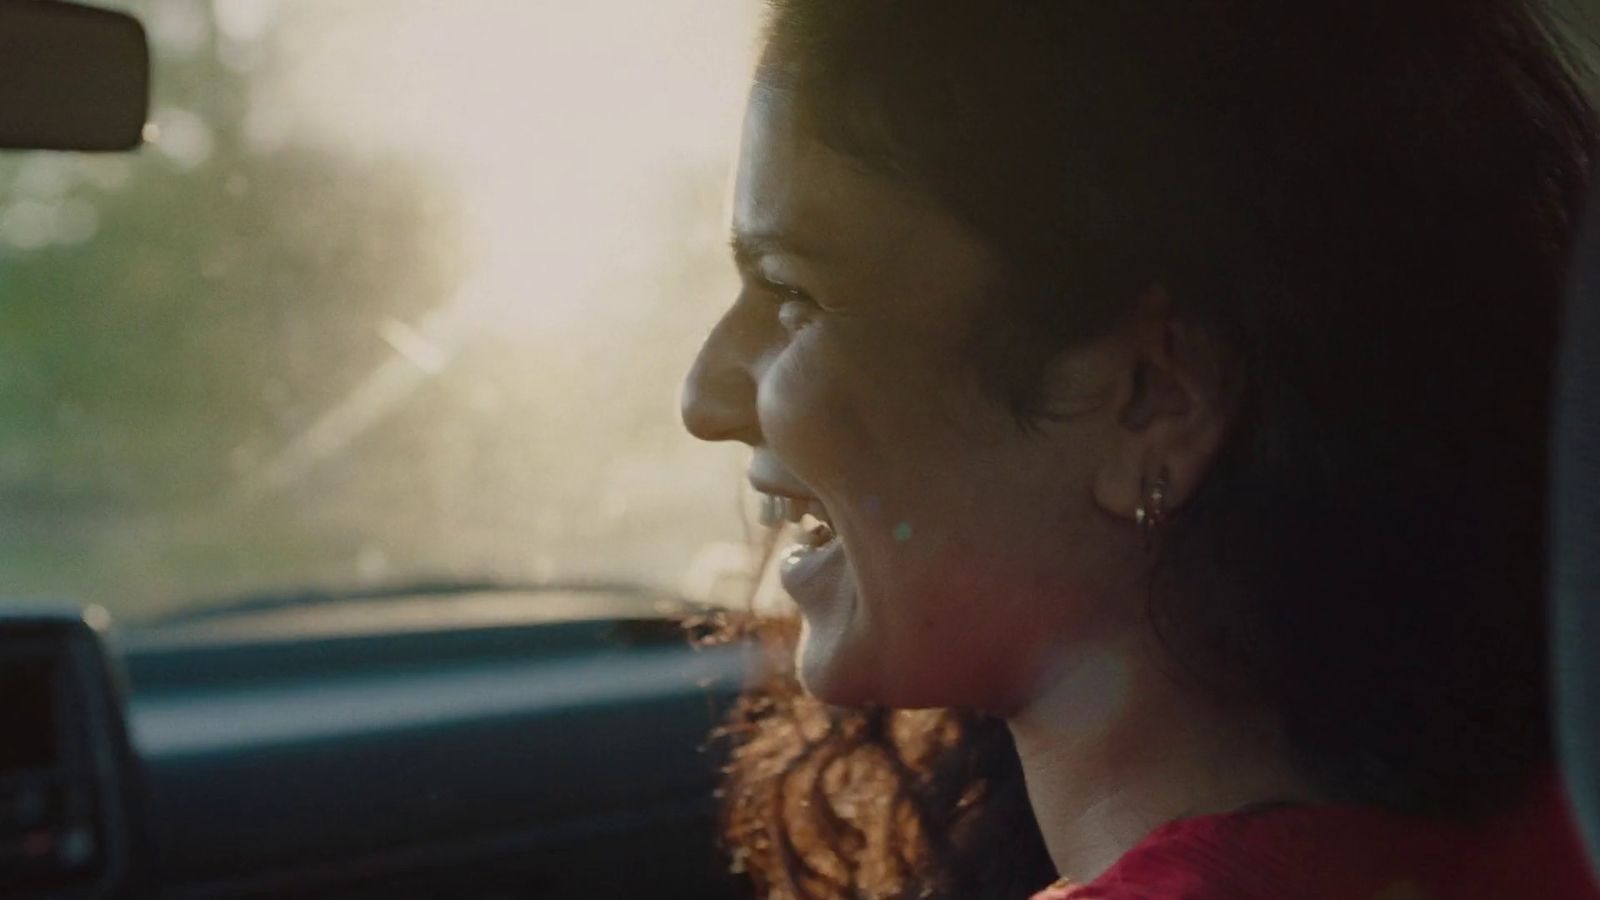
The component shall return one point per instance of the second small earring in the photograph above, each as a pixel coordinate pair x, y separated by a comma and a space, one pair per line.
1152, 511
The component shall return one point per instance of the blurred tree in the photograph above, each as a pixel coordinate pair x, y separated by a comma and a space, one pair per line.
167, 319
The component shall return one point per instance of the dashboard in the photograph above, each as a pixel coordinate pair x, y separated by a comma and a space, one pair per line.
69, 785
494, 744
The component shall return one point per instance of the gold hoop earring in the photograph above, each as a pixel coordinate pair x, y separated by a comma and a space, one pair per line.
1152, 511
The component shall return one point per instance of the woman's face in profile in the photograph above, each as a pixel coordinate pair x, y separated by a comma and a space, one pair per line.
964, 546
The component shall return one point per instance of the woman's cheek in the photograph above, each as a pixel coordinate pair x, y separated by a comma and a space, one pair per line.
809, 420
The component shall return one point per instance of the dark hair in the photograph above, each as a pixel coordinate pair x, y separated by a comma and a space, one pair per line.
1369, 204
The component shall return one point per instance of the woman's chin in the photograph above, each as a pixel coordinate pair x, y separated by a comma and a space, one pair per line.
824, 671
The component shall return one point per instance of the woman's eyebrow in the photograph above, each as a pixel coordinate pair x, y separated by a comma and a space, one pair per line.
749, 246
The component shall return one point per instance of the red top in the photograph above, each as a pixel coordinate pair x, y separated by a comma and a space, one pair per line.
1351, 853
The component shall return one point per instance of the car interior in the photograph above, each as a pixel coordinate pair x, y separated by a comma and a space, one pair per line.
413, 730
406, 735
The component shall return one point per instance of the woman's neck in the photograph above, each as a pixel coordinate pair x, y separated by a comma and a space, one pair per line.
1113, 748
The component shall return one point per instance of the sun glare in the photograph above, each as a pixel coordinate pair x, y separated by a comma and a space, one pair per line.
553, 120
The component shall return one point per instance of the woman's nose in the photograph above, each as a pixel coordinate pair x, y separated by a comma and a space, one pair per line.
719, 395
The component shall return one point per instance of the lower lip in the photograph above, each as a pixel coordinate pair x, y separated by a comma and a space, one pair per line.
809, 573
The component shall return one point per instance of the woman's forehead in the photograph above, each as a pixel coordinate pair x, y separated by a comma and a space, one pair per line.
791, 184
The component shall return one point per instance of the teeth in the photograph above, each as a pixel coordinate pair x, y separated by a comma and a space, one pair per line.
771, 513
776, 510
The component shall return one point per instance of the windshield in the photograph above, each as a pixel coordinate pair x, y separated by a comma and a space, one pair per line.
397, 291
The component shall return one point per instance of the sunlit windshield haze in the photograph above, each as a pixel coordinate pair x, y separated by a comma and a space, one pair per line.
397, 291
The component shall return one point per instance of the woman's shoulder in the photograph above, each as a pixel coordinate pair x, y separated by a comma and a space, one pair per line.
1351, 853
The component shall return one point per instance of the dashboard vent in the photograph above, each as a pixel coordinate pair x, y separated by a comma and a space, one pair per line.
63, 762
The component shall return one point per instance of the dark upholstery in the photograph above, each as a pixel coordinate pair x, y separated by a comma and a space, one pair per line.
1576, 545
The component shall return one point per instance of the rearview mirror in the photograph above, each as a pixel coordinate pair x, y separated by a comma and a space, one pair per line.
71, 77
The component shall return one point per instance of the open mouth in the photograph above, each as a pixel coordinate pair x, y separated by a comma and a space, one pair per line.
816, 527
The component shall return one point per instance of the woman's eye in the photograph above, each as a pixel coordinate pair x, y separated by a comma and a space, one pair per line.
785, 293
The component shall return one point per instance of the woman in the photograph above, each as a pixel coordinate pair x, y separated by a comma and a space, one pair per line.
1160, 388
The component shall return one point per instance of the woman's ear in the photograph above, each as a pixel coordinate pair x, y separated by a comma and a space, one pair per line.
1172, 410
